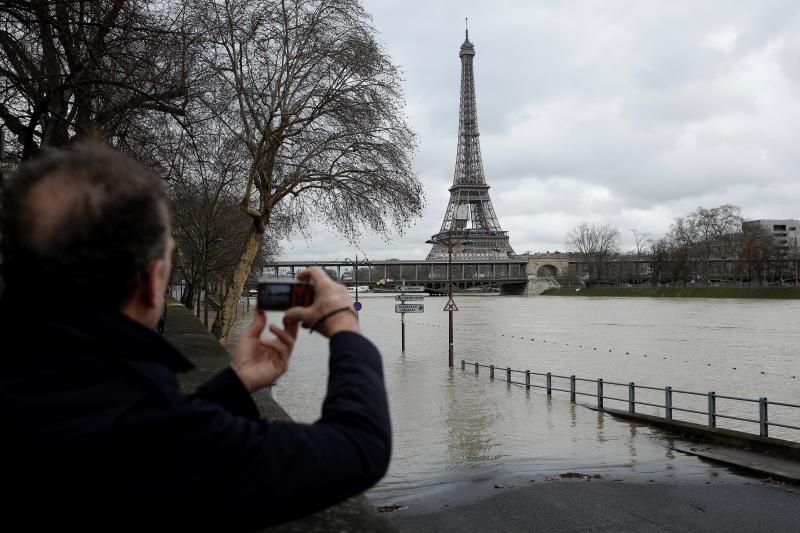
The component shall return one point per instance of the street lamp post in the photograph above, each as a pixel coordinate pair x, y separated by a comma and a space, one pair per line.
355, 276
449, 243
449, 299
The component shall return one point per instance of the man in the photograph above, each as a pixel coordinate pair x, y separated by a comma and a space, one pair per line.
95, 431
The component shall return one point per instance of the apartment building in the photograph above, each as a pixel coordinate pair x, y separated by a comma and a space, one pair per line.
785, 231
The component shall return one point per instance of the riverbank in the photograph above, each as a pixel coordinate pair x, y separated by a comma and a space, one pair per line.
767, 293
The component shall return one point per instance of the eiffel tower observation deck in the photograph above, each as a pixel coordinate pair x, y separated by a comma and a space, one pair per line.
470, 225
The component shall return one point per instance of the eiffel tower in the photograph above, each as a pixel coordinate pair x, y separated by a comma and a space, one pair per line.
470, 225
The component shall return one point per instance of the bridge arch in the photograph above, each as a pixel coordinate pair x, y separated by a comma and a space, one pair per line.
547, 271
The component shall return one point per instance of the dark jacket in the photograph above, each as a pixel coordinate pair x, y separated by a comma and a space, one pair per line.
96, 432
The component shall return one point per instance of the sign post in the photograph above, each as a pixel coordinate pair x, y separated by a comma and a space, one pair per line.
408, 288
404, 307
409, 298
409, 308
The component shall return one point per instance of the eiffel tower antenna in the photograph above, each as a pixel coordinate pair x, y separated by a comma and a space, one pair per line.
470, 215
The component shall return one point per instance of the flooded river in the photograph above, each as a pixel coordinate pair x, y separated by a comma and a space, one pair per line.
453, 427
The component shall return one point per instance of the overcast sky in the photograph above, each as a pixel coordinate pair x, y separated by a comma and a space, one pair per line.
628, 113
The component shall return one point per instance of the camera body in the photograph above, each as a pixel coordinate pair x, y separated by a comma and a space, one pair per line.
279, 295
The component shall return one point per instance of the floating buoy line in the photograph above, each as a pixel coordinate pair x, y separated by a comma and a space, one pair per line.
516, 337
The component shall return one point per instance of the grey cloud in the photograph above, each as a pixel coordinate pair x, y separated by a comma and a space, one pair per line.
620, 112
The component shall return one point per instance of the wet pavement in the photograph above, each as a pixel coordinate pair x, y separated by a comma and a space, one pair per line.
563, 505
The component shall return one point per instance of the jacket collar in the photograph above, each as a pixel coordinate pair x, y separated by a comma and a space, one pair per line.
116, 334
133, 340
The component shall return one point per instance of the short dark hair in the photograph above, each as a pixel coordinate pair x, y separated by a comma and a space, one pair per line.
85, 222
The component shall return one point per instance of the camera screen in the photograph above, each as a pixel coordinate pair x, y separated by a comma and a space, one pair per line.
277, 296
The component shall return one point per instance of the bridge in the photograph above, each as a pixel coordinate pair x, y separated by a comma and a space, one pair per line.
521, 274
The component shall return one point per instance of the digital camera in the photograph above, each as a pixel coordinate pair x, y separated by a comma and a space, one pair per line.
279, 295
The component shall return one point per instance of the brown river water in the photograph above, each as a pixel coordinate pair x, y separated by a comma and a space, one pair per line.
453, 427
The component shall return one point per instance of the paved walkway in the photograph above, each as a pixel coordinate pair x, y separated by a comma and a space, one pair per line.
578, 505
758, 463
756, 492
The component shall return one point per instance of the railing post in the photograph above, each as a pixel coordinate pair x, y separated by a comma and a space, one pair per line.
763, 421
476, 368
463, 364
668, 402
549, 384
631, 397
527, 380
572, 388
508, 374
599, 393
712, 409
491, 371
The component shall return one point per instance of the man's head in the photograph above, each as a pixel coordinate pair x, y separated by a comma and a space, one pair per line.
87, 225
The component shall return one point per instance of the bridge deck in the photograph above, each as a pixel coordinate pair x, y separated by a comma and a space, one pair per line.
466, 275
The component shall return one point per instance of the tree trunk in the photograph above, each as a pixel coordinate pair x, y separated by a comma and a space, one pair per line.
187, 298
235, 285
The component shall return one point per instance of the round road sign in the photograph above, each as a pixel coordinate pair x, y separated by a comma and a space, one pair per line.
357, 306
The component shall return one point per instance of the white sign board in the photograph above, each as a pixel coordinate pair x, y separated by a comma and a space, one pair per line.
450, 306
409, 297
409, 308
409, 288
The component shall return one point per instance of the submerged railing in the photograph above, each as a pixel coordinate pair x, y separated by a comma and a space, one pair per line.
712, 412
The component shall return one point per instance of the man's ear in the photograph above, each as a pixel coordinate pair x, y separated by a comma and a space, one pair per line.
153, 286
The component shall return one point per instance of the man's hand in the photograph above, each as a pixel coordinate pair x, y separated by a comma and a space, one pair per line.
259, 363
328, 296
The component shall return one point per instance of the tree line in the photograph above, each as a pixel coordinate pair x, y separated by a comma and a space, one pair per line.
705, 246
263, 116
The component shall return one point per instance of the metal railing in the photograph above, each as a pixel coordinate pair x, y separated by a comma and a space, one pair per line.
712, 412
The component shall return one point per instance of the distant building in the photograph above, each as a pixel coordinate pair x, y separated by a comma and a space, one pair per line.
786, 233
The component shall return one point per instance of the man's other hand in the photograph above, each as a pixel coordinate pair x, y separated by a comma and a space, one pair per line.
259, 363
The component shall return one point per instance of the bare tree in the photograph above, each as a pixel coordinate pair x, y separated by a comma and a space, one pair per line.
71, 68
727, 231
644, 243
718, 229
705, 235
304, 86
595, 244
683, 237
660, 252
209, 229
758, 248
727, 235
